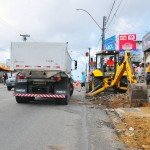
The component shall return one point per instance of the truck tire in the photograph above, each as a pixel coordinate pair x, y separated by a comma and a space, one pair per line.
65, 101
61, 101
20, 99
71, 92
32, 98
27, 99
9, 88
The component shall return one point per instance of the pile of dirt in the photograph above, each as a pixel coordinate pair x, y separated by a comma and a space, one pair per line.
117, 101
112, 101
134, 129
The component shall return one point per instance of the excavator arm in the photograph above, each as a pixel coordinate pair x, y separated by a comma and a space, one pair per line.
124, 66
137, 92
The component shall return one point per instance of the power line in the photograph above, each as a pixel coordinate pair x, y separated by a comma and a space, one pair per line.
111, 11
109, 32
115, 13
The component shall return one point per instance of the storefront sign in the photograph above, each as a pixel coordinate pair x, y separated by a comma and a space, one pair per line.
127, 41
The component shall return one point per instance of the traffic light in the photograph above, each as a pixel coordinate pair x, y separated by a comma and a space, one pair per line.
86, 54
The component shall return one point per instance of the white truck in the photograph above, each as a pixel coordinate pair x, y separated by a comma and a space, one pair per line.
44, 70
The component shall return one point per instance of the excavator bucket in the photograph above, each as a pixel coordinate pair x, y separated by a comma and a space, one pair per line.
138, 93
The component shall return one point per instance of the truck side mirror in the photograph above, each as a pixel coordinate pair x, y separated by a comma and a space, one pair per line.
75, 64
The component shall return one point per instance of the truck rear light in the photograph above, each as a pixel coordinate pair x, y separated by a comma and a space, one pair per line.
20, 77
56, 78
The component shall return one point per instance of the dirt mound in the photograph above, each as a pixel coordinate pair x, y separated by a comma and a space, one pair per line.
117, 101
112, 100
135, 130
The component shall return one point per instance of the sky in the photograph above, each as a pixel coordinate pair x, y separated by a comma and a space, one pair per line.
59, 21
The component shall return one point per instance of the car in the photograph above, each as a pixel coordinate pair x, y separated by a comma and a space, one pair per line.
10, 82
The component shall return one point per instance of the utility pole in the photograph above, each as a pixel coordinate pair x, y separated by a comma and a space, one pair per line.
103, 32
86, 69
89, 58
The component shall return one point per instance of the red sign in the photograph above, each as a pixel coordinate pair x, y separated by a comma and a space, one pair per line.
127, 41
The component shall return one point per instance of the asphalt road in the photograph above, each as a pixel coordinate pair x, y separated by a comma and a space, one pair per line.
42, 125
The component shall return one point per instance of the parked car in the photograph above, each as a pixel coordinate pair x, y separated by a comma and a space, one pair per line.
10, 82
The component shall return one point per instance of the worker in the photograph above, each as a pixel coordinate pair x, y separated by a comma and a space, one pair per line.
83, 80
110, 63
5, 77
134, 68
147, 73
92, 65
139, 71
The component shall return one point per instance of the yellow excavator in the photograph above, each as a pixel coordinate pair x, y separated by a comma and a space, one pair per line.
118, 78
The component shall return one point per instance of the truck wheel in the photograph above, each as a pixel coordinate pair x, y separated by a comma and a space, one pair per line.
71, 89
58, 101
65, 101
71, 92
22, 99
19, 99
61, 101
9, 88
27, 99
32, 98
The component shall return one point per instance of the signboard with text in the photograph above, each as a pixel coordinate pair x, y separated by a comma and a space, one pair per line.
136, 55
110, 43
127, 41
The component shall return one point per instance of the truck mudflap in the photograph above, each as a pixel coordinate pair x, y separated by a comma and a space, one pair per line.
40, 95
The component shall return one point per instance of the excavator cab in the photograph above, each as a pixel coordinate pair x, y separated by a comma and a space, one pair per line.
106, 62
106, 65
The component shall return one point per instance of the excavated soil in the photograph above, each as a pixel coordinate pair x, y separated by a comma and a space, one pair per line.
135, 129
112, 101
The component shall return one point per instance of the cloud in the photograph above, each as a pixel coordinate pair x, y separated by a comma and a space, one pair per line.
4, 56
59, 21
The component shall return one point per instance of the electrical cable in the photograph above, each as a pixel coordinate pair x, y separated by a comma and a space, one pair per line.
111, 11
115, 13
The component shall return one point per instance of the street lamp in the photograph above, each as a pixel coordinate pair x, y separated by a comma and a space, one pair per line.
91, 17
103, 29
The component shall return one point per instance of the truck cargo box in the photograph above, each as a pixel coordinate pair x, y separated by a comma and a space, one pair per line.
40, 56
